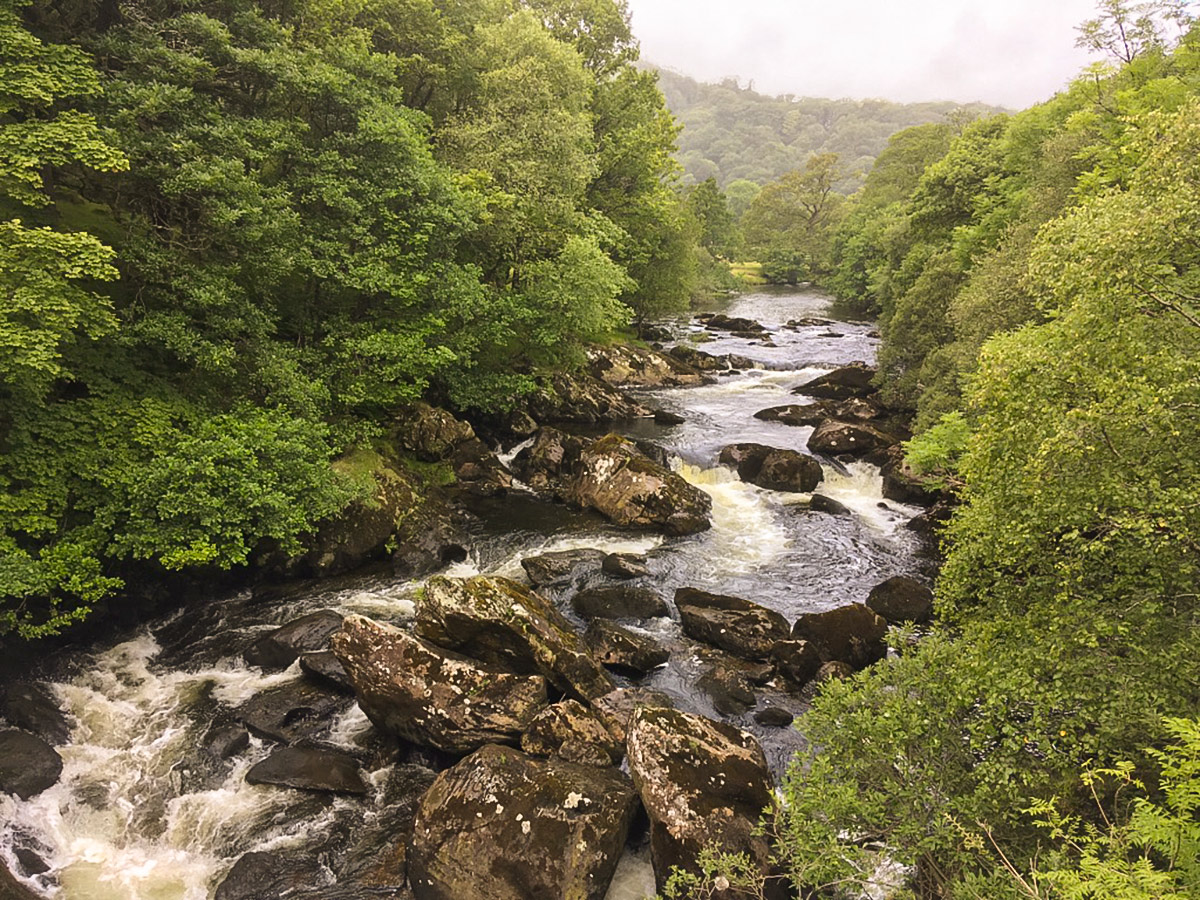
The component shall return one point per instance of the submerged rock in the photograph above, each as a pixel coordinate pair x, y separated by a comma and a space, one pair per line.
376, 863
901, 599
502, 825
573, 732
622, 650
310, 769
850, 634
289, 712
773, 468
735, 625
28, 765
501, 622
259, 875
278, 649
561, 568
431, 696
841, 384
702, 783
619, 601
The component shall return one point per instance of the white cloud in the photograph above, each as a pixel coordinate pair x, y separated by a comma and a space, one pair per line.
1010, 52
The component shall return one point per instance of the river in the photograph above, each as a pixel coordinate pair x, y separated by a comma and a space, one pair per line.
138, 815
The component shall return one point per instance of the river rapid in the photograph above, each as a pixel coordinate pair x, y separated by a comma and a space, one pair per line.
140, 814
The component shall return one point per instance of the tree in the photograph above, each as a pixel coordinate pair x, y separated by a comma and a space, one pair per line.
711, 211
1125, 30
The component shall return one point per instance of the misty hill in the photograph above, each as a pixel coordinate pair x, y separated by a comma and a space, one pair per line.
733, 132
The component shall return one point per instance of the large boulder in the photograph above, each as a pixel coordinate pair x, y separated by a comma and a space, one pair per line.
623, 650
549, 460
902, 483
561, 568
479, 471
796, 661
625, 566
581, 399
619, 601
571, 731
259, 875
773, 468
502, 825
813, 414
735, 625
279, 648
431, 696
310, 769
736, 324
617, 708
702, 783
292, 711
626, 366
504, 623
28, 765
622, 484
901, 599
850, 634
34, 708
430, 433
841, 384
837, 438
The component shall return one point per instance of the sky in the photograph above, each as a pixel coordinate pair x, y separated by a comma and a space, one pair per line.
1007, 52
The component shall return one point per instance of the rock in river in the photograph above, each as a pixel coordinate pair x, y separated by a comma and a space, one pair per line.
702, 783
289, 712
502, 825
573, 732
310, 769
431, 696
278, 649
735, 625
562, 567
773, 468
619, 601
850, 634
836, 438
901, 599
501, 622
33, 707
28, 765
623, 650
841, 384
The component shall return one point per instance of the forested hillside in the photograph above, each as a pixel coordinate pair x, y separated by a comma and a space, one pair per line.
1037, 279
237, 234
732, 132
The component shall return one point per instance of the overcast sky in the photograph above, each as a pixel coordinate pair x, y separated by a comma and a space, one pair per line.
1008, 52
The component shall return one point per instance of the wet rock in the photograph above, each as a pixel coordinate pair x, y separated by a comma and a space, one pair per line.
841, 384
735, 625
721, 322
502, 825
571, 731
12, 889
623, 650
263, 875
809, 322
28, 765
479, 471
504, 623
625, 486
323, 667
835, 438
619, 601
773, 468
667, 418
821, 503
292, 711
813, 414
699, 360
625, 366
376, 863
561, 568
431, 696
625, 565
929, 523
31, 855
851, 634
428, 432
310, 769
280, 648
617, 708
702, 783
796, 661
654, 452
225, 740
773, 717
901, 599
549, 460
729, 690
34, 708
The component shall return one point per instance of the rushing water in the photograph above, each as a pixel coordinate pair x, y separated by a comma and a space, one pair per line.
140, 814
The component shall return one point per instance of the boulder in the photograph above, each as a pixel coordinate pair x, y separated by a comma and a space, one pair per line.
821, 503
667, 418
502, 825
836, 438
431, 696
504, 623
830, 670
260, 875
813, 414
729, 690
323, 668
376, 863
841, 384
625, 486
796, 661
622, 650
901, 599
581, 399
902, 484
278, 649
699, 360
702, 783
619, 601
292, 711
561, 568
773, 717
571, 731
773, 468
479, 471
736, 324
28, 765
625, 366
310, 769
625, 565
851, 634
735, 625
616, 709
428, 432
549, 460
34, 708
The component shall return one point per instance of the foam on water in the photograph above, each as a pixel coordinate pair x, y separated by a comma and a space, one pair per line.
860, 489
745, 533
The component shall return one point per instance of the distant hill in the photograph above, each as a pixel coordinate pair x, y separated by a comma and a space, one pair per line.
733, 132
